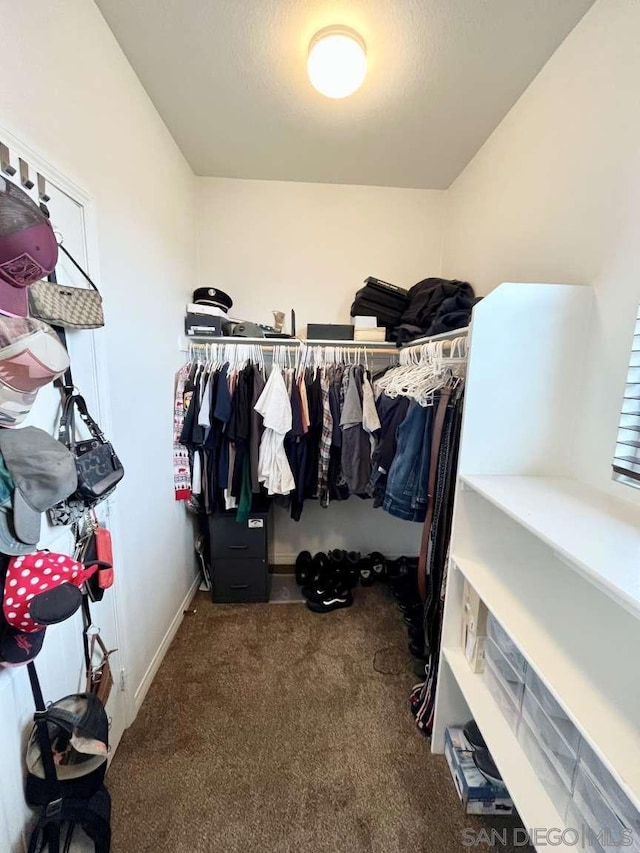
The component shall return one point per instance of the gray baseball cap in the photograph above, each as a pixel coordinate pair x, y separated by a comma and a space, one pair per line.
43, 472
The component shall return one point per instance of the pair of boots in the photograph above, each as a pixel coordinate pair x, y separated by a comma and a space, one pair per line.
403, 582
327, 579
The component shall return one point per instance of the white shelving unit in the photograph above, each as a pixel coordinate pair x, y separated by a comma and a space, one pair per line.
557, 562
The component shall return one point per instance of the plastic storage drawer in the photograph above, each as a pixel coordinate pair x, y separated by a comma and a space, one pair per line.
553, 710
510, 710
561, 754
611, 791
544, 769
586, 838
511, 680
599, 815
506, 645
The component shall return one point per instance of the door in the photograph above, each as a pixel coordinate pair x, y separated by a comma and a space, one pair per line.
60, 665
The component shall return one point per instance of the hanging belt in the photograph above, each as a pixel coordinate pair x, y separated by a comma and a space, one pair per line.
436, 439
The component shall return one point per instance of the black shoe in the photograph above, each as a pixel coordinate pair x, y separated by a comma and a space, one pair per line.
378, 566
337, 567
417, 651
304, 569
366, 572
486, 765
419, 669
416, 636
331, 601
473, 734
319, 574
352, 566
315, 592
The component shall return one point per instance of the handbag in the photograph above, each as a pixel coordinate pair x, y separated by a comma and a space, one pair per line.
94, 546
97, 464
99, 674
69, 307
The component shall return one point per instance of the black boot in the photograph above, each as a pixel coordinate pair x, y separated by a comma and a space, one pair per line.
303, 568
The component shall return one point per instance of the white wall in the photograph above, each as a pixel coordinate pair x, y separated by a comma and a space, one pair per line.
554, 195
69, 93
278, 245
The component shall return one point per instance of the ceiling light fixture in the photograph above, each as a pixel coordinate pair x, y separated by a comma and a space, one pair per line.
337, 63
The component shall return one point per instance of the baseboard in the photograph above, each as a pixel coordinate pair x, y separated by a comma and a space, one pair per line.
157, 659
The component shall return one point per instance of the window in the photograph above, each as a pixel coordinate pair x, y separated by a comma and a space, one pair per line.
626, 461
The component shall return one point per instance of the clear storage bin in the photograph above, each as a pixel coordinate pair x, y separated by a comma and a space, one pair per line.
511, 680
506, 645
599, 815
552, 709
503, 699
561, 754
611, 791
544, 769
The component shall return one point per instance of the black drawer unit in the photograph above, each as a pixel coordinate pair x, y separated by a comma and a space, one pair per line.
239, 558
237, 581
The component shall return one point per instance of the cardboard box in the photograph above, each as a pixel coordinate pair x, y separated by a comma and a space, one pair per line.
474, 627
476, 793
474, 610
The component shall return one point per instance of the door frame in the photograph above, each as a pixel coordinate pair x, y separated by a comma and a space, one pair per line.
98, 349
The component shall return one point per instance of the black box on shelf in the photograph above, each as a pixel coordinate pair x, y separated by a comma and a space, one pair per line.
329, 332
205, 325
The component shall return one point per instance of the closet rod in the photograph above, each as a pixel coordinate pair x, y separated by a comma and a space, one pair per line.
267, 344
447, 337
294, 343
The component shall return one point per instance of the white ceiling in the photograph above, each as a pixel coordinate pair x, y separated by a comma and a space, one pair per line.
229, 79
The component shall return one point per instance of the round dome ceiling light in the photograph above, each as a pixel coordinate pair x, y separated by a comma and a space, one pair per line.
337, 63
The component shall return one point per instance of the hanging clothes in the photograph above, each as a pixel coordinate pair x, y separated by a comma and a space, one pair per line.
181, 467
274, 405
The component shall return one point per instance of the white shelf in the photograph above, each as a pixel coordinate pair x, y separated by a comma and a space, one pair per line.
573, 662
527, 792
599, 536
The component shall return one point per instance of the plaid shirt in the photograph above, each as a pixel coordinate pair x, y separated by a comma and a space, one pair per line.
325, 440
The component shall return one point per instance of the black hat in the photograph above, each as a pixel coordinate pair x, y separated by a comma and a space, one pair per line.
18, 647
212, 296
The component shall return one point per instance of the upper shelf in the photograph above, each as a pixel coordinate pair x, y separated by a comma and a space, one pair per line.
596, 534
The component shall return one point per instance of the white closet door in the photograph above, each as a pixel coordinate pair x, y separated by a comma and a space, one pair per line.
60, 664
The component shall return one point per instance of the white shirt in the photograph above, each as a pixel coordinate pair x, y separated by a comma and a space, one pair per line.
274, 405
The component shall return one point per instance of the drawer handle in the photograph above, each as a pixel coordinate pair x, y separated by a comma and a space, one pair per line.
238, 547
239, 586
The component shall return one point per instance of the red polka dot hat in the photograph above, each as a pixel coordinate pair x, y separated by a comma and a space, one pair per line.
41, 589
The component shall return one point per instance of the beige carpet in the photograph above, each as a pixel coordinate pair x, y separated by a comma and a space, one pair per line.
268, 729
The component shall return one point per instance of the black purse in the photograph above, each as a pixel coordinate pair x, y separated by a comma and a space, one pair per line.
97, 464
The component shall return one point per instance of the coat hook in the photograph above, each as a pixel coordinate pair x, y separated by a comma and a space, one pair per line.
42, 189
5, 160
26, 182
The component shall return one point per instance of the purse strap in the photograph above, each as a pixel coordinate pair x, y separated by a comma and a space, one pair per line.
78, 267
66, 428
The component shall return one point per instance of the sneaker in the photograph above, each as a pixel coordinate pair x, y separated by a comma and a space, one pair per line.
331, 601
366, 572
304, 568
473, 734
378, 566
352, 563
337, 567
315, 592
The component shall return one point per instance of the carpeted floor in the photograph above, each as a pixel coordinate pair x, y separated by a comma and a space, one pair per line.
268, 729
